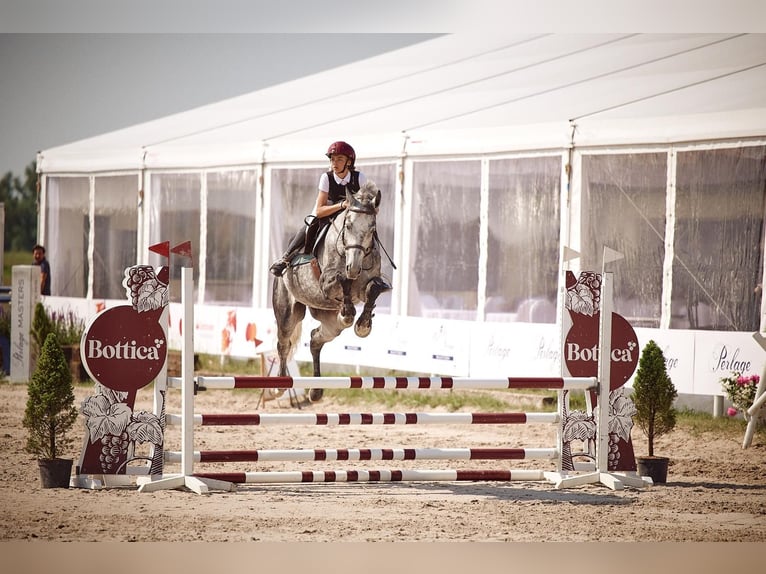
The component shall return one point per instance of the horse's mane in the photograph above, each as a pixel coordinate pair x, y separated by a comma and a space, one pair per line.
368, 193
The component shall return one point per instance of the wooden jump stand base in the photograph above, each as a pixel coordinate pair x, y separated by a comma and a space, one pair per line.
203, 485
148, 483
612, 480
193, 483
200, 485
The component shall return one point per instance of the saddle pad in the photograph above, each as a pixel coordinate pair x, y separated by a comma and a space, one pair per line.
301, 259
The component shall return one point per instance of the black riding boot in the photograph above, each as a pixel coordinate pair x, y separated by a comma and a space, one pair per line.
296, 243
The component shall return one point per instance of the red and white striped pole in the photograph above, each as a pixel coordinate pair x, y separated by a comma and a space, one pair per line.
504, 383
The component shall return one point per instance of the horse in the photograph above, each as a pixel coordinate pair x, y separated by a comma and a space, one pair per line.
344, 273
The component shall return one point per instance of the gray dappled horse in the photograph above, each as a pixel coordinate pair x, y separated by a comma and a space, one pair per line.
346, 272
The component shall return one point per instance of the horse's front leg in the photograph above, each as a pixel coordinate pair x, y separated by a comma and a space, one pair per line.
288, 314
347, 310
329, 283
329, 328
375, 288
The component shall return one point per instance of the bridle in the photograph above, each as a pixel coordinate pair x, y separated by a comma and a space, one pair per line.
341, 245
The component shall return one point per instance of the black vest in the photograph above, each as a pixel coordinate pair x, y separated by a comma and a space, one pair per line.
337, 191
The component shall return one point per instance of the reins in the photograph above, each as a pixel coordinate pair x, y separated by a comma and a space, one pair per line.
341, 237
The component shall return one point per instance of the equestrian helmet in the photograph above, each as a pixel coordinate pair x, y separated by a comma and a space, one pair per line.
342, 148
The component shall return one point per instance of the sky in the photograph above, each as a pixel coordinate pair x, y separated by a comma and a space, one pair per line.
75, 69
59, 88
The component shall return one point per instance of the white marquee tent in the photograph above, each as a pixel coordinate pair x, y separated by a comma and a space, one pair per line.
511, 112
466, 93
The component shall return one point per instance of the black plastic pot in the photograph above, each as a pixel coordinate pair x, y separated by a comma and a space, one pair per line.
655, 467
55, 472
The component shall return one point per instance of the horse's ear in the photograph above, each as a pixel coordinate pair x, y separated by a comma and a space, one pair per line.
377, 199
349, 196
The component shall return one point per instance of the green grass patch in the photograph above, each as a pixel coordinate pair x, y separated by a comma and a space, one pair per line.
410, 399
699, 423
11, 258
222, 365
455, 400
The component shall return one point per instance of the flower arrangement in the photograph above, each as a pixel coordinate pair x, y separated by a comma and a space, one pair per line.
67, 326
740, 390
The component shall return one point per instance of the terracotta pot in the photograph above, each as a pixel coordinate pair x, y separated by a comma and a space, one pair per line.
655, 467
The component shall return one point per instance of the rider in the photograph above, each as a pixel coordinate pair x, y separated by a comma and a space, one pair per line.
331, 198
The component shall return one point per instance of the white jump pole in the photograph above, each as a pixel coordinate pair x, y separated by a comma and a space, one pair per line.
760, 398
185, 478
760, 392
604, 368
187, 373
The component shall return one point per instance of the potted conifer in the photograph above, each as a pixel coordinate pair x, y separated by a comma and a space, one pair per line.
41, 326
50, 414
653, 396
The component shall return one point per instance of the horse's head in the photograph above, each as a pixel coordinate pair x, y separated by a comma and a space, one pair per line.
359, 227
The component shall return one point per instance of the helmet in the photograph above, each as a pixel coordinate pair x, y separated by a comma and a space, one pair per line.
342, 148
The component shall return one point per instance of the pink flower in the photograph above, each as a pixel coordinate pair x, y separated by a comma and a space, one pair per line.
731, 411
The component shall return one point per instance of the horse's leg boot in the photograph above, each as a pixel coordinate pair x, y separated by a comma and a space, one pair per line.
375, 287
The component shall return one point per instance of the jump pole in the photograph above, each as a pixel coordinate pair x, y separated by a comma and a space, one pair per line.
202, 482
185, 479
760, 397
388, 382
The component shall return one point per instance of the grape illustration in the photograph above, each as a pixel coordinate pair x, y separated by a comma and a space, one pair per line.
614, 451
113, 448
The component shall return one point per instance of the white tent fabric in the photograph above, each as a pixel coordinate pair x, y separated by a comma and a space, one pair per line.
465, 93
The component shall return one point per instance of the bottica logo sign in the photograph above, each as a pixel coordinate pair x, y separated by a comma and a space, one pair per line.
123, 349
575, 353
129, 351
581, 349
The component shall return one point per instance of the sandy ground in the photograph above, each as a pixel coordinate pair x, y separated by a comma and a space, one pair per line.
715, 492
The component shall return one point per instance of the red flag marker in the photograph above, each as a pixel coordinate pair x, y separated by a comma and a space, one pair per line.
161, 248
184, 249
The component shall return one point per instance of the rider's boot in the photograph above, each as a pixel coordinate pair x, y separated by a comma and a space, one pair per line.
296, 243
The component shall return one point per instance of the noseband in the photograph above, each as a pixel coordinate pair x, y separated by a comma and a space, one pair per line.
356, 208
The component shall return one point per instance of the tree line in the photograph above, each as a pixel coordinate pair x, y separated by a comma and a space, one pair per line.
19, 194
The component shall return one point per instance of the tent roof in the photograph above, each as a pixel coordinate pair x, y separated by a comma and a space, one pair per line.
465, 93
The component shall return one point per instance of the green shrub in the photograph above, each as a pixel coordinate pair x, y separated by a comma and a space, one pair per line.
50, 412
653, 395
42, 326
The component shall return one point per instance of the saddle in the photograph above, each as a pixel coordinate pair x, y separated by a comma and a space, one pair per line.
316, 230
315, 234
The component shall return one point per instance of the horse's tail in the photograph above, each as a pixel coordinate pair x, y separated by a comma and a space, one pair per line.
281, 301
295, 340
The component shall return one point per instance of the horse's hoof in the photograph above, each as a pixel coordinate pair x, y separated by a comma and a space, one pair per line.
364, 324
362, 328
316, 395
346, 320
